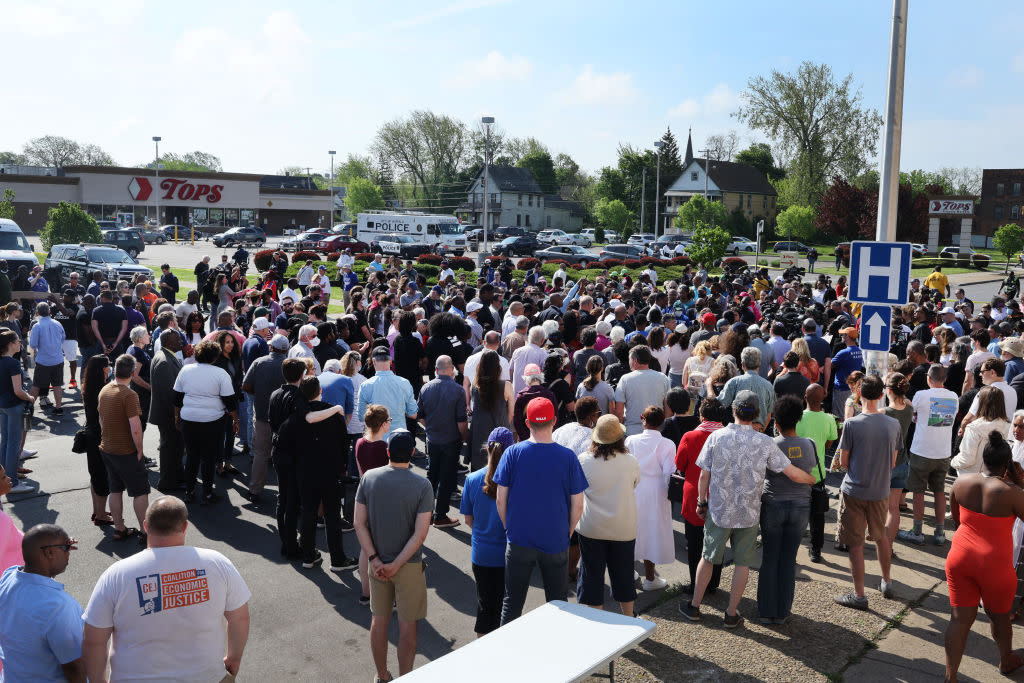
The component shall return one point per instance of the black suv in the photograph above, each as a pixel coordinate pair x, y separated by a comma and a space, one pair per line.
519, 245
503, 231
128, 239
240, 236
86, 259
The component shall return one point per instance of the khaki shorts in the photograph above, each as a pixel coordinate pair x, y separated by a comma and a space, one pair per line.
743, 541
927, 474
856, 514
407, 589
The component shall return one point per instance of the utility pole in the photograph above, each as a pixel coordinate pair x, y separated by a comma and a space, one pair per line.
658, 144
156, 167
487, 121
643, 196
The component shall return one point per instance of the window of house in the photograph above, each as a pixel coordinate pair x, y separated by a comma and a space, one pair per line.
693, 176
529, 200
749, 196
1016, 189
1015, 211
520, 199
999, 189
764, 202
549, 221
997, 212
773, 202
527, 220
519, 216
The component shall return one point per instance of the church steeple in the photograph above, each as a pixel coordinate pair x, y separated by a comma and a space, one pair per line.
689, 148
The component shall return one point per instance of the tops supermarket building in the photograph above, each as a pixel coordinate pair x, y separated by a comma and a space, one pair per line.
216, 201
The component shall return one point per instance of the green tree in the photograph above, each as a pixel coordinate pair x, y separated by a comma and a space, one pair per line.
613, 215
1009, 240
68, 223
567, 172
7, 205
759, 155
737, 223
191, 161
54, 150
362, 195
796, 222
539, 163
699, 210
709, 244
817, 122
12, 158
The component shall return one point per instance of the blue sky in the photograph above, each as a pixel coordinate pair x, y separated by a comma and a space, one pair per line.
265, 85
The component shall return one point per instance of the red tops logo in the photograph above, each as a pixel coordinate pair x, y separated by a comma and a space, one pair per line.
140, 188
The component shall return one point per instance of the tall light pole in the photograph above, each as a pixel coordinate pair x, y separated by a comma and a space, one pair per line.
643, 196
332, 152
156, 167
487, 121
657, 188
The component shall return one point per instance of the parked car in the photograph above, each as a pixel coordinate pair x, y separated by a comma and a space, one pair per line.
517, 245
15, 248
128, 239
241, 237
403, 246
474, 234
109, 225
641, 239
86, 259
799, 247
153, 235
623, 251
965, 255
303, 241
182, 232
573, 253
333, 243
503, 231
739, 244
343, 229
918, 249
552, 237
610, 236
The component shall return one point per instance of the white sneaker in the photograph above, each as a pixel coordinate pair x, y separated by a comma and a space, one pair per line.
657, 584
23, 488
28, 453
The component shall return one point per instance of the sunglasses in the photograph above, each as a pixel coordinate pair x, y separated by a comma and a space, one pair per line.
66, 547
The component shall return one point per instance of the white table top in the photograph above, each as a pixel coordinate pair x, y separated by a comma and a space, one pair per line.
558, 641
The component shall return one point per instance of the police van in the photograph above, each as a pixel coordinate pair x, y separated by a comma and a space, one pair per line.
14, 248
442, 234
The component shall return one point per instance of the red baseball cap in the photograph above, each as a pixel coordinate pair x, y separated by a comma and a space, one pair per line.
708, 319
540, 411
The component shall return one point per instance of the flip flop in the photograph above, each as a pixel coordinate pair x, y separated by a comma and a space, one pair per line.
101, 522
1015, 657
126, 533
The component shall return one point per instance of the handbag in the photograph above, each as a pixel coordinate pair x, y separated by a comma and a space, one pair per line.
819, 495
82, 441
675, 487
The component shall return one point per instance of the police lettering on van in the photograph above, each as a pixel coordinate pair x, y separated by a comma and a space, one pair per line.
441, 233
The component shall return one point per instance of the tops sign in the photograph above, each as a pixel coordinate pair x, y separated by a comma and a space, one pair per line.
140, 190
951, 207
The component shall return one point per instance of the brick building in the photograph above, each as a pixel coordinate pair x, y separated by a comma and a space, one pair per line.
1002, 196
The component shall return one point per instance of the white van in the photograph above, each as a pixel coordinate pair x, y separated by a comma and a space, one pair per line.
14, 248
442, 233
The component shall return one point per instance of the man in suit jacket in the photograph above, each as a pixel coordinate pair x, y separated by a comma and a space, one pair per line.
162, 374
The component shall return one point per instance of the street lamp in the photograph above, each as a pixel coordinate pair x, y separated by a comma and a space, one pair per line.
332, 152
487, 121
156, 167
657, 187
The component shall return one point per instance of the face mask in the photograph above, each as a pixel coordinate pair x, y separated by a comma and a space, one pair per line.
315, 341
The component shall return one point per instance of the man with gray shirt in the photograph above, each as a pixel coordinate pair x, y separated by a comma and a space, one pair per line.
640, 388
867, 448
392, 518
260, 381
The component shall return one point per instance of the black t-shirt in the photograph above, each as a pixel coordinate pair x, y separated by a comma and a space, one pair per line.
791, 384
318, 458
563, 397
676, 426
918, 380
108, 318
326, 351
956, 373
356, 335
69, 320
439, 346
408, 352
922, 333
483, 316
83, 321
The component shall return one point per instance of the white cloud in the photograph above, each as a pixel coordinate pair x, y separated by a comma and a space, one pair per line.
593, 88
720, 101
968, 76
493, 69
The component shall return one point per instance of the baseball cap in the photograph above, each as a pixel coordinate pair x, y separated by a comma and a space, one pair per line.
708, 318
279, 342
852, 331
946, 310
746, 402
346, 266
412, 286
437, 289
381, 353
532, 370
260, 324
540, 411
323, 268
260, 312
69, 292
473, 306
400, 443
500, 435
739, 327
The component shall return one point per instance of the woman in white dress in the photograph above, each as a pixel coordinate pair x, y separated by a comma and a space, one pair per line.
656, 456
697, 368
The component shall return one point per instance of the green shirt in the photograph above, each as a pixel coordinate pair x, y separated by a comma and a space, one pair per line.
819, 427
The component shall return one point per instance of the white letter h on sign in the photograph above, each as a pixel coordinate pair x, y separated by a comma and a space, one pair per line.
891, 271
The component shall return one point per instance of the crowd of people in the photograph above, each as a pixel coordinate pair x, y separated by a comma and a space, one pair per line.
568, 407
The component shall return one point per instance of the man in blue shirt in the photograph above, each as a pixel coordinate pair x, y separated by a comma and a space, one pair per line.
845, 362
540, 501
40, 624
442, 410
47, 342
348, 281
389, 390
820, 350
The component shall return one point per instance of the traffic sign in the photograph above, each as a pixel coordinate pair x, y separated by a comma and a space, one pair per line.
875, 327
880, 272
788, 259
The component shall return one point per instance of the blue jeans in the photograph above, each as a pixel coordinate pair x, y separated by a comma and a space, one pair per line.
675, 380
12, 427
519, 563
245, 412
782, 527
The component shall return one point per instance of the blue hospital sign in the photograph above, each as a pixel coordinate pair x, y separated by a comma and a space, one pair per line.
880, 272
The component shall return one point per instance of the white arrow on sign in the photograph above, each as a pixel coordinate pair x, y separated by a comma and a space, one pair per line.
875, 325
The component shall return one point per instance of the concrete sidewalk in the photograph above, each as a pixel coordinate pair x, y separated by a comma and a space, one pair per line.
895, 640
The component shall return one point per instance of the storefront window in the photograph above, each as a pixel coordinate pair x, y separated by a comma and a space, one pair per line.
198, 217
231, 217
247, 216
216, 217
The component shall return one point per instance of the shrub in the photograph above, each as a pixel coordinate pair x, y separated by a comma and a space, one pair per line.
652, 261
612, 263
263, 259
733, 261
68, 223
334, 256
433, 259
461, 263
364, 257
528, 263
428, 270
632, 263
683, 260
303, 256
497, 259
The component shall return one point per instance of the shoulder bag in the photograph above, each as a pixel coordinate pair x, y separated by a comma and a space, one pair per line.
675, 487
819, 494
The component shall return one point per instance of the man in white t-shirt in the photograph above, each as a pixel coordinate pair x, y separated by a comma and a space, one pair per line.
993, 371
980, 340
934, 411
492, 340
166, 608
